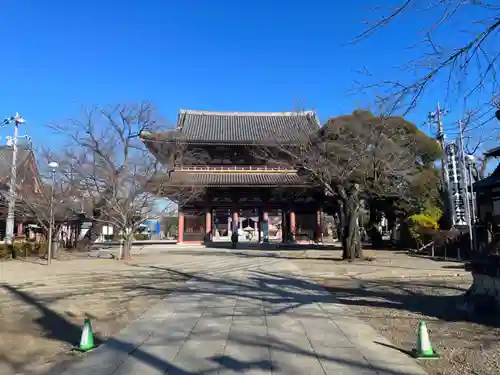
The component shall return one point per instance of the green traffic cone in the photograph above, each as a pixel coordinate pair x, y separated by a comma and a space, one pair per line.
87, 339
424, 348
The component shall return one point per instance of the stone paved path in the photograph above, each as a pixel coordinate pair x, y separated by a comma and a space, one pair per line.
245, 315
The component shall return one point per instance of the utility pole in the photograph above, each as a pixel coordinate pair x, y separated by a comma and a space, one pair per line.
436, 117
53, 166
465, 187
471, 161
9, 225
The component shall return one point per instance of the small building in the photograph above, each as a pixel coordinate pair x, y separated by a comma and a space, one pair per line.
488, 192
32, 203
488, 207
27, 174
262, 200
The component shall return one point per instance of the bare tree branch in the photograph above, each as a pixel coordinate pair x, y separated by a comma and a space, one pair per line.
466, 60
352, 157
110, 166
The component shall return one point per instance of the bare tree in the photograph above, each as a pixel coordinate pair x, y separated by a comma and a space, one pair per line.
459, 47
352, 157
35, 204
33, 191
106, 162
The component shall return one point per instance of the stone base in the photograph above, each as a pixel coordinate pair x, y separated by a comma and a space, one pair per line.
483, 297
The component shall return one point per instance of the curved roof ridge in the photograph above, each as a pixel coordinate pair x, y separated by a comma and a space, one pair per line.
238, 113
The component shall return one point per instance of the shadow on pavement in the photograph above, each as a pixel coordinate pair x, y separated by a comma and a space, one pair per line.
281, 293
288, 293
54, 325
242, 366
271, 246
301, 256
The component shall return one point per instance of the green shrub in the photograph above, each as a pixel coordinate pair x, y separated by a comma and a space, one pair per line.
433, 212
141, 237
420, 223
423, 221
4, 252
24, 249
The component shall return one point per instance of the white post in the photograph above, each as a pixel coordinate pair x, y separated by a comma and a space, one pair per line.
9, 225
53, 165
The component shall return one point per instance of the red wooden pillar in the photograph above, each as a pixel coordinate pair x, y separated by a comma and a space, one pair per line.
19, 229
292, 223
208, 221
180, 229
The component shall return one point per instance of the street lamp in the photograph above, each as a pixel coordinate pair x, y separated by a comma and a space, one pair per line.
53, 167
9, 224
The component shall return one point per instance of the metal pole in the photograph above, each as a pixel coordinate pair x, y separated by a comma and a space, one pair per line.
51, 218
464, 185
473, 203
472, 195
9, 225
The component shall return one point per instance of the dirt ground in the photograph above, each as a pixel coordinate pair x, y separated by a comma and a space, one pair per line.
42, 320
43, 307
394, 292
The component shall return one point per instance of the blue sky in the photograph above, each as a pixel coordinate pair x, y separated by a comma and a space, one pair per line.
216, 55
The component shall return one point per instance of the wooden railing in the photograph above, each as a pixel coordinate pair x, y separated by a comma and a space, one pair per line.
232, 168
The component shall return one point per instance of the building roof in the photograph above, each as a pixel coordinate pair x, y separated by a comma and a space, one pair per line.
490, 181
23, 154
234, 179
493, 179
494, 152
241, 128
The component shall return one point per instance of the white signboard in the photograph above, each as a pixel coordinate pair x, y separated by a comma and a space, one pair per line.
456, 184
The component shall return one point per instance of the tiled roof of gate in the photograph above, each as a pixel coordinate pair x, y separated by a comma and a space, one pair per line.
214, 179
244, 128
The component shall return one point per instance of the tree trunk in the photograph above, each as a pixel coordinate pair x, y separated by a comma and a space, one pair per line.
351, 243
341, 222
352, 249
120, 250
127, 245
